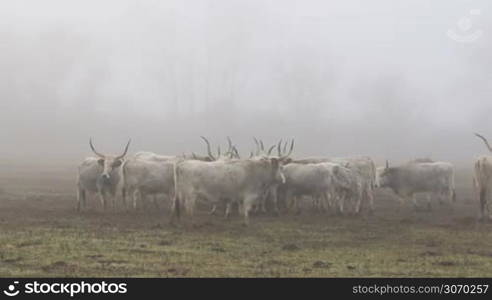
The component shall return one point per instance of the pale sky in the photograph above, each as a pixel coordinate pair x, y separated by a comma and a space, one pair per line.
388, 78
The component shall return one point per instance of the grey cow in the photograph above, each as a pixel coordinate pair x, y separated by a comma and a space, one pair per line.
432, 178
483, 180
99, 175
242, 180
363, 166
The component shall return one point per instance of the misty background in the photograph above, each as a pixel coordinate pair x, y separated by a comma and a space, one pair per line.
379, 78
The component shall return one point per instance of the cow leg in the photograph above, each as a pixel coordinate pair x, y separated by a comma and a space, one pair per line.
360, 200
80, 198
401, 201
483, 202
429, 206
325, 198
414, 201
247, 204
263, 204
314, 203
370, 197
190, 208
358, 205
341, 203
228, 210
297, 206
263, 200
156, 203
329, 200
123, 197
275, 201
213, 210
289, 202
136, 198
112, 199
102, 198
175, 207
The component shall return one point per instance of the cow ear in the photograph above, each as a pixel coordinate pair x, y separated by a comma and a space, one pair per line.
100, 161
117, 163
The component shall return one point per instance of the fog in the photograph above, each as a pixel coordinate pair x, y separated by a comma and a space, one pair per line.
381, 77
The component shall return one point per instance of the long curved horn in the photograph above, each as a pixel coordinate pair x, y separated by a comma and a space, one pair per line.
126, 150
257, 146
208, 148
270, 150
279, 148
485, 141
234, 149
262, 146
94, 149
229, 141
291, 148
285, 147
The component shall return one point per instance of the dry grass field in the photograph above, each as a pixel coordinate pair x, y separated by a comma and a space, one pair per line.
41, 234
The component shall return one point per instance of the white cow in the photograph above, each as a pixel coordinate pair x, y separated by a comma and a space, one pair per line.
99, 175
224, 180
150, 174
147, 174
363, 166
432, 178
483, 180
327, 182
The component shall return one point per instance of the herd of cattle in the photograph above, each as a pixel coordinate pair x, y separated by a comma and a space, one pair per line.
268, 178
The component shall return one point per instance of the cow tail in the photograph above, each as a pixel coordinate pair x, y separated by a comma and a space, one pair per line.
176, 203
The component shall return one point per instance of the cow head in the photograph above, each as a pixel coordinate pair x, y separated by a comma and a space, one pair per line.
109, 162
278, 170
383, 176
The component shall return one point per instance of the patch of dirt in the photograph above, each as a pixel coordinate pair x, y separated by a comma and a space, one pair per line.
112, 261
218, 249
28, 244
178, 271
291, 247
430, 253
94, 256
59, 266
446, 263
12, 260
164, 243
321, 264
480, 253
